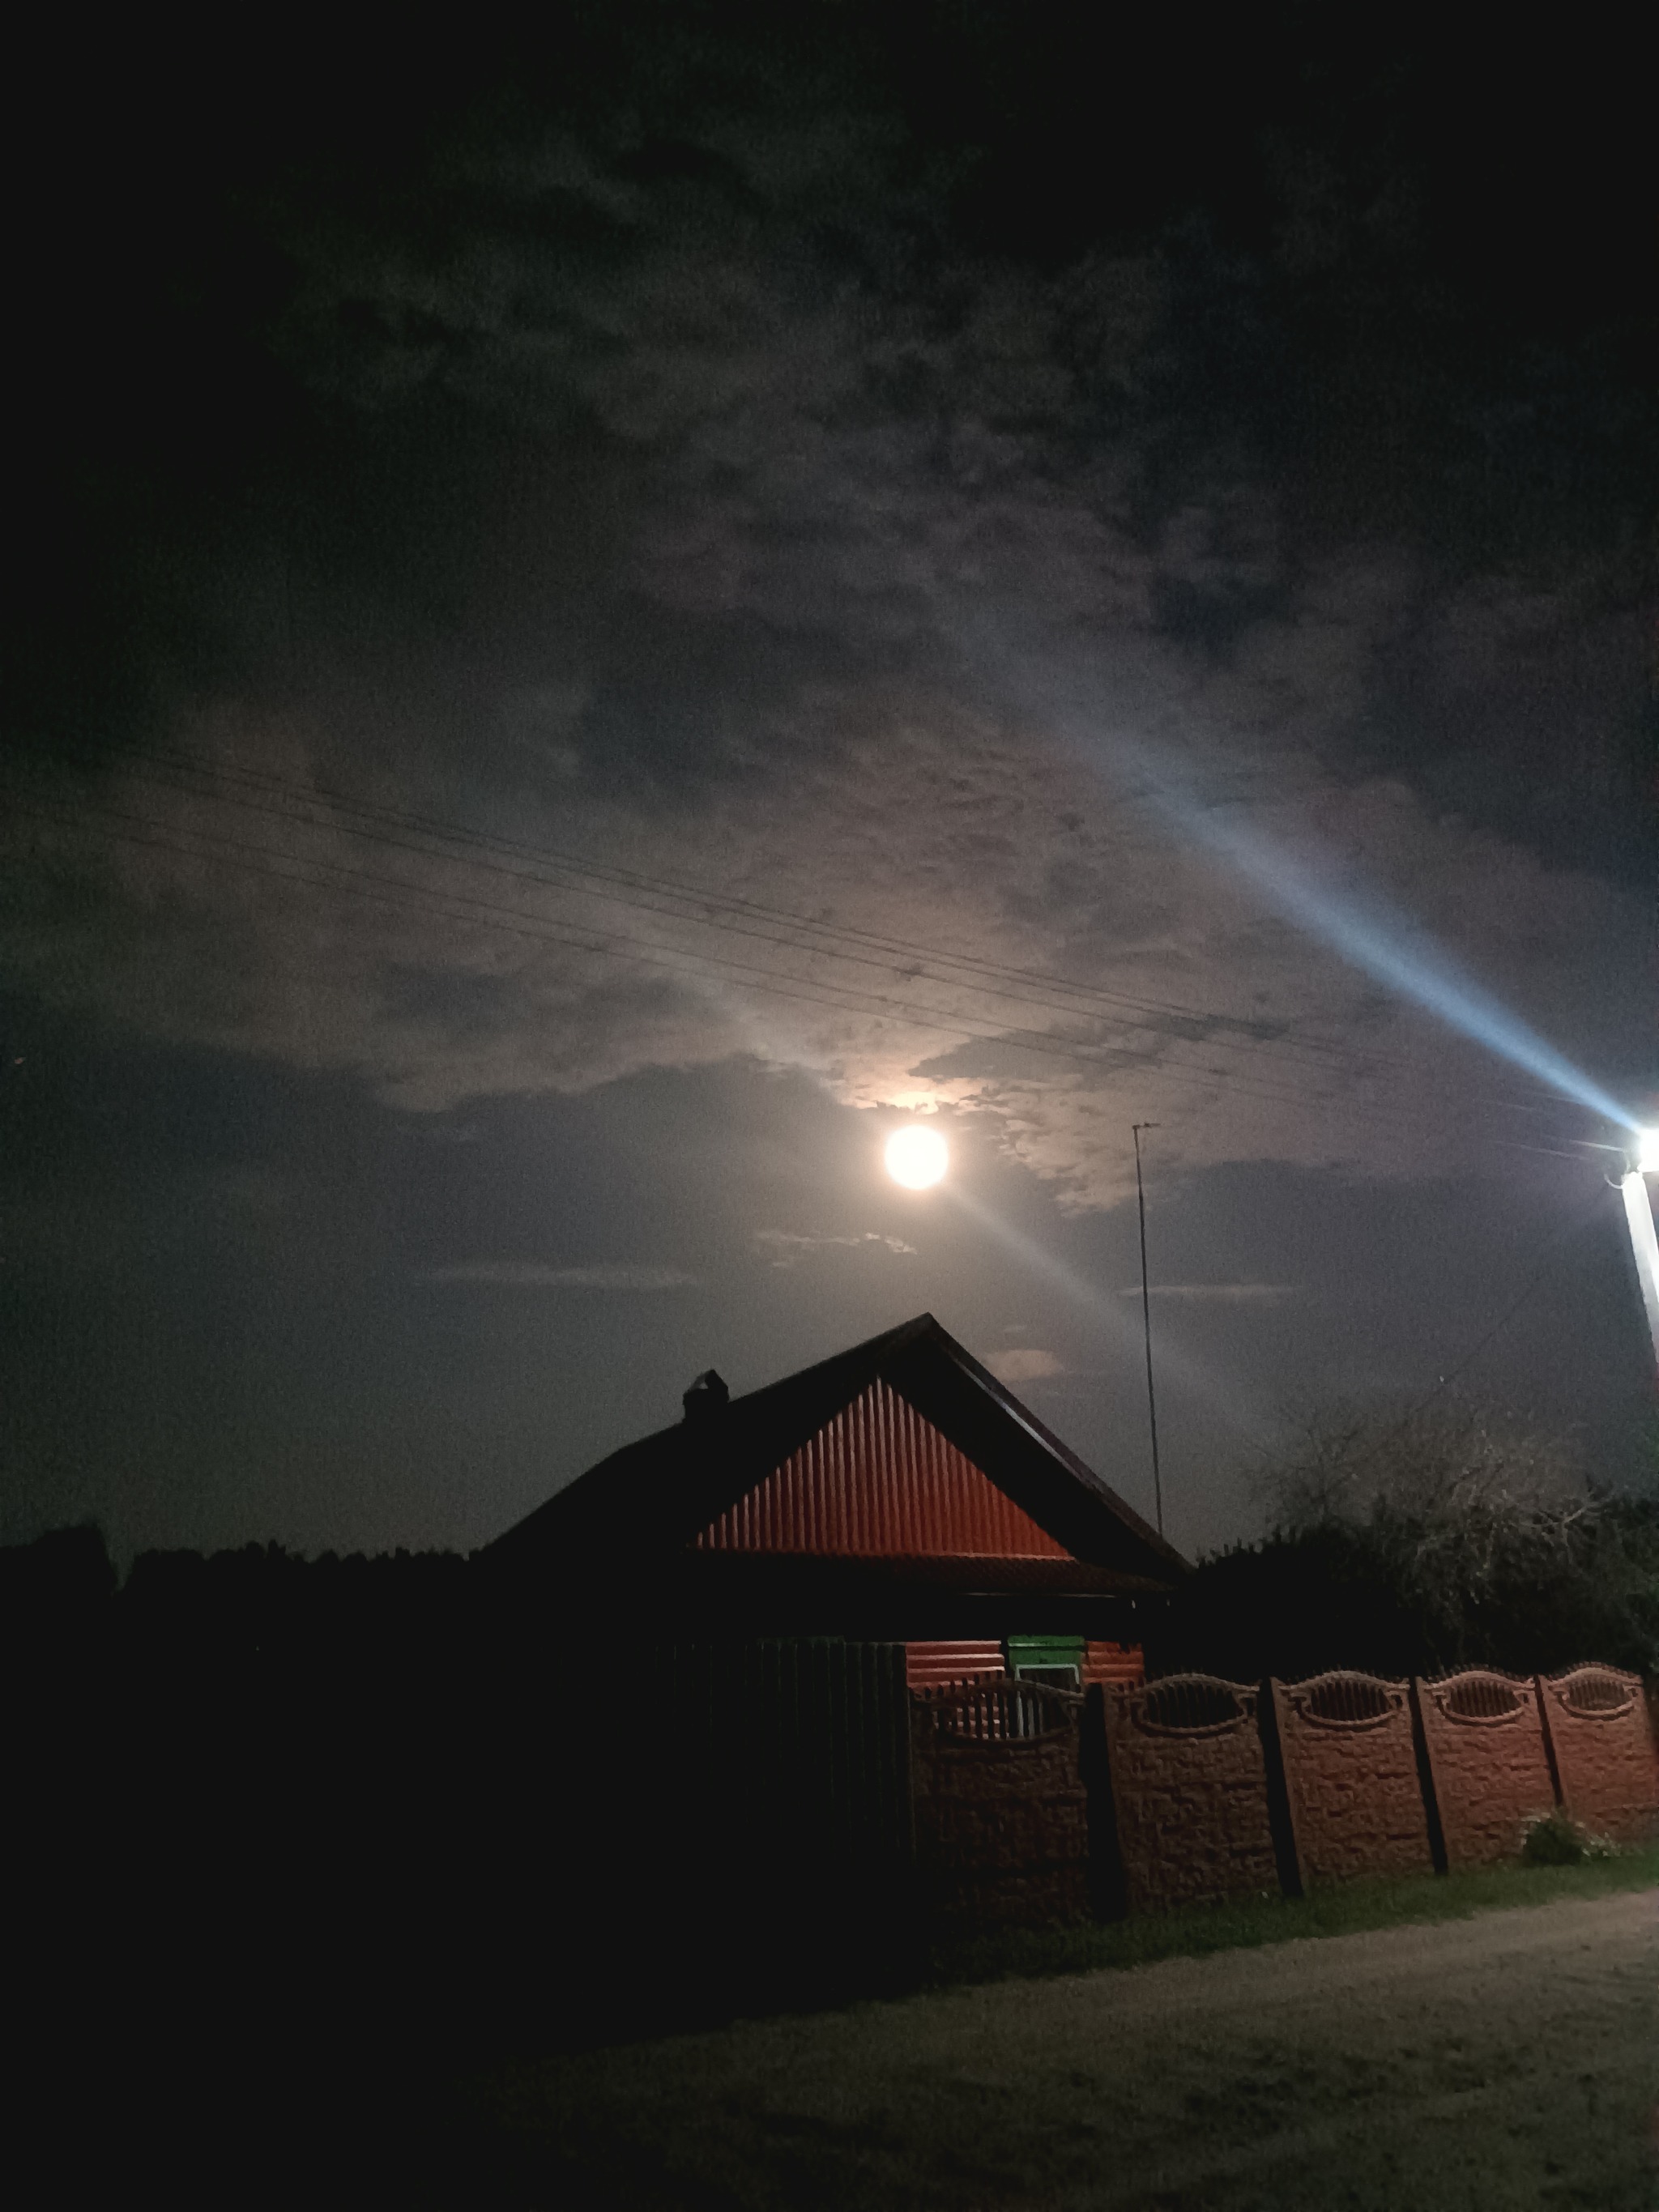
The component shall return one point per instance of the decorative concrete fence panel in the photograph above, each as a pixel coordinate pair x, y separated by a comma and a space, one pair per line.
1189, 1791
1002, 1817
1601, 1741
1488, 1765
1352, 1780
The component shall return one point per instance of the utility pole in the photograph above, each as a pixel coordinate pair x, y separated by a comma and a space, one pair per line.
1147, 1322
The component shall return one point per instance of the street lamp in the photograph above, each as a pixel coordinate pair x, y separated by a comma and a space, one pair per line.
1638, 1214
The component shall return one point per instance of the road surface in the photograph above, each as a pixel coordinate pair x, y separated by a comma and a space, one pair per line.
1509, 2060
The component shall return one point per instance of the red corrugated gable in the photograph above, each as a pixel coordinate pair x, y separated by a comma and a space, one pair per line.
879, 1480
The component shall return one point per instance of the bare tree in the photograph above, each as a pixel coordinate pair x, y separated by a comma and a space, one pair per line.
1458, 1507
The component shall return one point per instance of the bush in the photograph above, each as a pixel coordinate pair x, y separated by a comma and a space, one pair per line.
1556, 1839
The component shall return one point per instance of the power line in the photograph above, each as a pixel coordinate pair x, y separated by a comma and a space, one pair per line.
1076, 1000
239, 854
1563, 1236
1166, 1017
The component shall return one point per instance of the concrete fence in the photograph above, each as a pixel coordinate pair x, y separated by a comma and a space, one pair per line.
1189, 1787
1488, 1766
1218, 1789
1030, 1803
1000, 1803
1355, 1802
1601, 1748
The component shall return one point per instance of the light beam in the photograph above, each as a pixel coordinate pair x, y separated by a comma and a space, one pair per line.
1384, 944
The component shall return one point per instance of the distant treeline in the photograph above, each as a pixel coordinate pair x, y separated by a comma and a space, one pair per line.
1299, 1602
253, 1781
1446, 1539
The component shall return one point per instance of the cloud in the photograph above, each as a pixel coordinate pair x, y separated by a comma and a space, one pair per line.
534, 1275
887, 608
1217, 1293
1023, 1363
788, 1244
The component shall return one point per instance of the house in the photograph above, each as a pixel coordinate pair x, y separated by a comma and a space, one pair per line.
895, 1492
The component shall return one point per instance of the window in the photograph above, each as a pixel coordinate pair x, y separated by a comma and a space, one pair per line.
1055, 1661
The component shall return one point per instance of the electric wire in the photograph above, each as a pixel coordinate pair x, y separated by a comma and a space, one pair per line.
399, 894
1565, 1234
979, 972
216, 846
241, 854
593, 941
1174, 1026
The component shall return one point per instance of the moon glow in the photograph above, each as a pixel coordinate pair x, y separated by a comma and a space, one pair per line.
916, 1157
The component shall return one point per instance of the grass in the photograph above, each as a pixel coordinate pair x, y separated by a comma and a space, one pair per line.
644, 1989
1350, 1909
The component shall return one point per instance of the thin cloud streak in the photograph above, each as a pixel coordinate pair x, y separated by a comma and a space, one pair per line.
1025, 1363
534, 1275
788, 1244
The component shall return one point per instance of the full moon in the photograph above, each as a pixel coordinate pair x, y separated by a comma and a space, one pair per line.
916, 1157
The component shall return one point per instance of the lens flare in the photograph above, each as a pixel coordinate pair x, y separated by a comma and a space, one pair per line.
916, 1157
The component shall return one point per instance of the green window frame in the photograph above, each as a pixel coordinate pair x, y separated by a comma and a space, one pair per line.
1056, 1661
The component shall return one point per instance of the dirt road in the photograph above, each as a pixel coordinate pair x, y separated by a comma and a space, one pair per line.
1511, 2060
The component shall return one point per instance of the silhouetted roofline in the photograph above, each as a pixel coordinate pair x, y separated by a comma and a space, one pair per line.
656, 1495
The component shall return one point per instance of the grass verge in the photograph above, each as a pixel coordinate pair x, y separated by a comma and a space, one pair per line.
1193, 1931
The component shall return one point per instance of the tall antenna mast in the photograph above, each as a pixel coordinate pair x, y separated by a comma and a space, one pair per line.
1146, 1322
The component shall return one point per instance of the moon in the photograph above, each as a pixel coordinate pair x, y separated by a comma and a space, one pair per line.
916, 1157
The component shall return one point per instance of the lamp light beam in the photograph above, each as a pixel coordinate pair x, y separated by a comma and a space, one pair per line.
1388, 946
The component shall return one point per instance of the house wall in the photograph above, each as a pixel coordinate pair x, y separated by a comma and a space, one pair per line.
1114, 1662
1488, 1763
927, 1665
1600, 1734
1352, 1782
1188, 1786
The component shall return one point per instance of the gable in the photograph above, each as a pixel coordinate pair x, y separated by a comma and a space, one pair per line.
878, 1479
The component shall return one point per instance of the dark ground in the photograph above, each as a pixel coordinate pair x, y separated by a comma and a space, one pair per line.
1506, 2060
1509, 2059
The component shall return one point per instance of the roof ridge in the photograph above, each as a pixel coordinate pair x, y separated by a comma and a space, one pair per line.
663, 1488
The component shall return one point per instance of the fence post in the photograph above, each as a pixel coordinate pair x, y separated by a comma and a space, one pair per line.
1425, 1774
1549, 1740
1108, 1892
1281, 1799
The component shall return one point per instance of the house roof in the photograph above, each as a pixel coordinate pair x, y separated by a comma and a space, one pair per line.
656, 1497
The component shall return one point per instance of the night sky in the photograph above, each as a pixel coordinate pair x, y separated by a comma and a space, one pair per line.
593, 624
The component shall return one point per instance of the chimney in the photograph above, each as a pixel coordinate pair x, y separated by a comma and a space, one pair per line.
707, 1396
